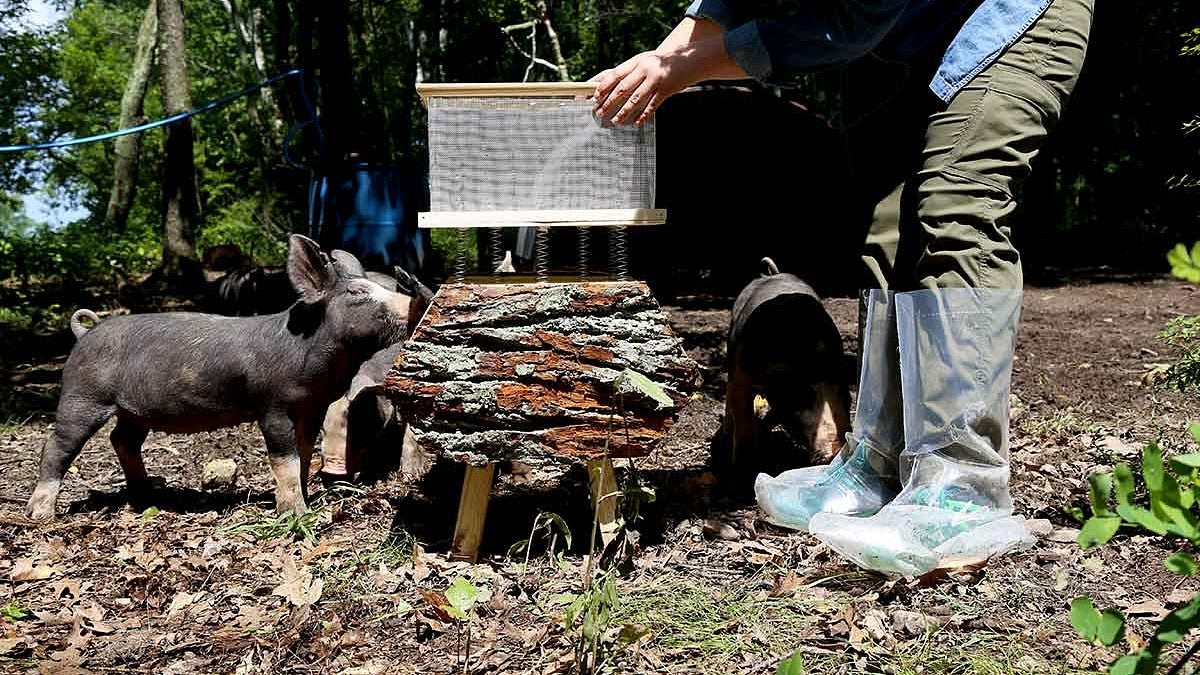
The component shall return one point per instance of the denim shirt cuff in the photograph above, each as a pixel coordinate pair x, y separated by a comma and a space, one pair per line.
714, 10
747, 49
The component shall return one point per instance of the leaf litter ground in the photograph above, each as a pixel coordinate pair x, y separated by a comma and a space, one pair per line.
212, 582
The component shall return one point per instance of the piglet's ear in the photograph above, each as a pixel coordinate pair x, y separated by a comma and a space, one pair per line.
347, 265
309, 269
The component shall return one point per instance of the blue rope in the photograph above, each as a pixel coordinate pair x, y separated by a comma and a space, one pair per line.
167, 120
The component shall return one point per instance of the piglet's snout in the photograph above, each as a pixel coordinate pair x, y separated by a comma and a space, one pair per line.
398, 305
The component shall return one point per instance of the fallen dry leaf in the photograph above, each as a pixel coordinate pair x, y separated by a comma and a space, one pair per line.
180, 602
437, 602
25, 570
909, 624
717, 529
372, 667
298, 587
1178, 596
785, 585
322, 549
68, 587
1148, 607
12, 646
842, 624
1039, 527
1065, 535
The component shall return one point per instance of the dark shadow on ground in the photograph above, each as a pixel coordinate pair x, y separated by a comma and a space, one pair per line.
173, 499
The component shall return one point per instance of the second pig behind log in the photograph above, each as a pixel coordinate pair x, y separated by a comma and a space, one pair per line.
785, 370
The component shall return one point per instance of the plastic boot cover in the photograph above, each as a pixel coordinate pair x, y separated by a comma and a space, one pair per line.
956, 352
862, 477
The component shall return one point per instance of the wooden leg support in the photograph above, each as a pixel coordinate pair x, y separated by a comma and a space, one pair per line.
472, 511
604, 482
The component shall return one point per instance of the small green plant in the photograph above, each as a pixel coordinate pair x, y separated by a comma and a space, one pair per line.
1173, 509
12, 612
1184, 264
263, 525
461, 597
792, 665
13, 425
1183, 333
551, 525
591, 612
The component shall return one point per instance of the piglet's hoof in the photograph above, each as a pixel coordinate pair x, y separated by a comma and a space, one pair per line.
297, 508
40, 509
327, 467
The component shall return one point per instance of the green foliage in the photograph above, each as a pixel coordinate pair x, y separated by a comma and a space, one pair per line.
251, 226
1106, 628
461, 595
28, 59
1172, 508
12, 611
632, 382
551, 525
792, 665
1184, 264
591, 614
451, 244
264, 526
1182, 333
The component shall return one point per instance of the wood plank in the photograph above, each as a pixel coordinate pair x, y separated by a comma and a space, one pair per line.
542, 218
460, 89
472, 512
603, 480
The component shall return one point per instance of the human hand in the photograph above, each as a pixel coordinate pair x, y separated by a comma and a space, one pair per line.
633, 90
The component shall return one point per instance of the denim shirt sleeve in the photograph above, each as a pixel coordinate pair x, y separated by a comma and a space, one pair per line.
815, 34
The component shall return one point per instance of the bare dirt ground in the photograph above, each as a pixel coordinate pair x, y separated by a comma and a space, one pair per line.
209, 582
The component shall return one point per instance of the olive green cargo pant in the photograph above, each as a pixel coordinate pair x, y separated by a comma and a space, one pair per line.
944, 176
943, 180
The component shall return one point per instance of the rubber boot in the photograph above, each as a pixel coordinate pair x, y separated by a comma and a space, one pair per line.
863, 475
956, 354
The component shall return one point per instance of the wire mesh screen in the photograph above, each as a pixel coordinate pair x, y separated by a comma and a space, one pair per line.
494, 153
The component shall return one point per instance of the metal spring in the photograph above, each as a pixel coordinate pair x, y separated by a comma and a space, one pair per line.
583, 245
618, 252
541, 254
496, 251
460, 253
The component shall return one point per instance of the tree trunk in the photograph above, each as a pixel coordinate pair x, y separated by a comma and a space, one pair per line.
290, 107
535, 372
180, 202
559, 59
128, 148
245, 24
336, 78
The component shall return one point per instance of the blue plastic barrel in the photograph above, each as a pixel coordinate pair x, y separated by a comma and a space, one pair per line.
371, 211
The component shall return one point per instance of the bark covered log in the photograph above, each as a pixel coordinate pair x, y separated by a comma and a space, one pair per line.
538, 372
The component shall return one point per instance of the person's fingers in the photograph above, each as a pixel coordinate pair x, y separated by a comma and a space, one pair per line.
620, 93
611, 78
650, 109
637, 101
